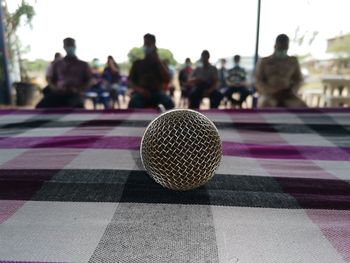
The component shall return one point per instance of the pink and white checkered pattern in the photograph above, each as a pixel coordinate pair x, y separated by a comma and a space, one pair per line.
73, 189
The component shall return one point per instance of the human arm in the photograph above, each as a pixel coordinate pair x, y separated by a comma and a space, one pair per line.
297, 77
106, 76
52, 75
164, 72
133, 80
261, 78
181, 78
194, 78
214, 82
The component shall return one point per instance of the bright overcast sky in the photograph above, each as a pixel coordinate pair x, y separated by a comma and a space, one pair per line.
186, 27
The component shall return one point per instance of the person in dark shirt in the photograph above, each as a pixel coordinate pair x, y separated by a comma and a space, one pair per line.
204, 82
111, 72
237, 83
97, 91
112, 78
47, 90
148, 78
222, 74
184, 76
68, 78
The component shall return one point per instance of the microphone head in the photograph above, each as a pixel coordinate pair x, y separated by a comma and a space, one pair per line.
181, 149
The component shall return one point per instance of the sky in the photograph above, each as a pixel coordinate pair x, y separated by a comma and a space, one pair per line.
186, 27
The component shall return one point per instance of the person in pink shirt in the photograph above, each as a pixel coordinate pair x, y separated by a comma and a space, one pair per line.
69, 78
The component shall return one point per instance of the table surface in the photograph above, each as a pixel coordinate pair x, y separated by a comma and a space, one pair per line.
73, 189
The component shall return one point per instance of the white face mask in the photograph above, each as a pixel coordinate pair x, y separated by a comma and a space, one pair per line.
147, 50
281, 53
70, 51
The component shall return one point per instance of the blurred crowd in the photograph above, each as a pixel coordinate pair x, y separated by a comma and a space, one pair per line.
150, 83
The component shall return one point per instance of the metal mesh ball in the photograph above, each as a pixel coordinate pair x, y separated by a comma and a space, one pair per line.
181, 149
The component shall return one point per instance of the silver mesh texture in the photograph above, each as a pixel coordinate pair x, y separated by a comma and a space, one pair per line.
181, 149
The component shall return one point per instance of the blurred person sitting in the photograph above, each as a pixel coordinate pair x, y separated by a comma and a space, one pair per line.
97, 92
148, 78
170, 87
278, 78
112, 78
68, 78
236, 82
204, 83
222, 74
184, 76
222, 71
58, 56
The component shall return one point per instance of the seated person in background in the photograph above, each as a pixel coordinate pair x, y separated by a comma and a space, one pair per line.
169, 87
278, 78
148, 78
97, 91
184, 76
47, 89
204, 82
222, 75
111, 77
237, 83
58, 56
68, 78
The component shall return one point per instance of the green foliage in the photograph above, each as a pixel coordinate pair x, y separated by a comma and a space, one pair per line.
166, 54
341, 47
23, 15
303, 57
13, 20
38, 65
137, 53
124, 68
304, 39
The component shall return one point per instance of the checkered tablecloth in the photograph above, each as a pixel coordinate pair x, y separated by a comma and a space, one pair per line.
72, 189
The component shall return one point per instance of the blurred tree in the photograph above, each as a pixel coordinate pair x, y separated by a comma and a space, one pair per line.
137, 53
124, 68
340, 47
23, 15
38, 65
167, 54
303, 40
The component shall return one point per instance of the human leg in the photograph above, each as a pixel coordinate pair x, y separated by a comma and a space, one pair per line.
165, 100
267, 101
60, 100
228, 94
293, 101
243, 94
215, 99
195, 98
137, 101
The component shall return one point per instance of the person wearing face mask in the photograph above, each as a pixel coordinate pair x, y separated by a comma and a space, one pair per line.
69, 78
184, 76
204, 83
237, 83
278, 78
148, 77
111, 77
